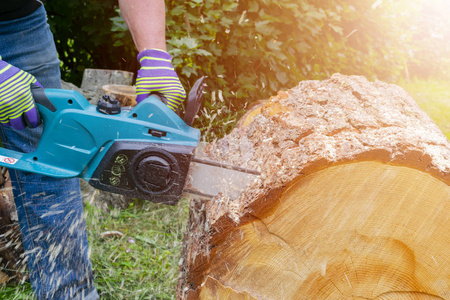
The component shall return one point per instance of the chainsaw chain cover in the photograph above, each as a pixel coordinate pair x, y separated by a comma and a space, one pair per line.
150, 171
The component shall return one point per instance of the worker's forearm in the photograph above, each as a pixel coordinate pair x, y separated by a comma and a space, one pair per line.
146, 21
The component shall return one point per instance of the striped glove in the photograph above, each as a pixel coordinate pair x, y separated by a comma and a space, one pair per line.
17, 108
157, 75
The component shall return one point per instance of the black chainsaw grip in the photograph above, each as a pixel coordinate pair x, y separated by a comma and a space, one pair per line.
41, 98
194, 101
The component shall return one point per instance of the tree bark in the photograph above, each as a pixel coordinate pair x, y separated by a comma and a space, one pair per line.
352, 202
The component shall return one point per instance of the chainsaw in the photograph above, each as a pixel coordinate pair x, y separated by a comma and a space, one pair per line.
148, 152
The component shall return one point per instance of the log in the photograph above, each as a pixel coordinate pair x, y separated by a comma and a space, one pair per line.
95, 79
352, 202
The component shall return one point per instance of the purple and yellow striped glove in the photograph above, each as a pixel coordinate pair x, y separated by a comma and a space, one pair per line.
17, 108
158, 76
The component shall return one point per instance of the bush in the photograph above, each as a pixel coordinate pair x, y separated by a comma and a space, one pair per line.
251, 49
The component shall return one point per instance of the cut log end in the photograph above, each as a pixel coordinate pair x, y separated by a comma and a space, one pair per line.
360, 230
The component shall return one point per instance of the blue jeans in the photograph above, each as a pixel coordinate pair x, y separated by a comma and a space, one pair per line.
50, 210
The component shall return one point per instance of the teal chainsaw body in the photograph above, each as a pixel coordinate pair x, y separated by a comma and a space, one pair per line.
142, 152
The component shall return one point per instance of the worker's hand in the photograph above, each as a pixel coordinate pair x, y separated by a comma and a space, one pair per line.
17, 108
157, 75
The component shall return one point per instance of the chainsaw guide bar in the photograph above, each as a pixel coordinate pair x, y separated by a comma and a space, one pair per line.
209, 178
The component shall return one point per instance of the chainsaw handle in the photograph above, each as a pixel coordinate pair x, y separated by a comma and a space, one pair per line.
41, 98
159, 96
194, 101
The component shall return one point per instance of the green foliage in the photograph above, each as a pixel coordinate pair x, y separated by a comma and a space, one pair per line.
252, 49
84, 37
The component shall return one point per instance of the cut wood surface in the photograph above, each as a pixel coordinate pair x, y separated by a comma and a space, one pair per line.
352, 202
125, 94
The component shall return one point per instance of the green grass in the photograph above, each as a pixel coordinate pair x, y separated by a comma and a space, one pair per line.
143, 264
433, 96
17, 292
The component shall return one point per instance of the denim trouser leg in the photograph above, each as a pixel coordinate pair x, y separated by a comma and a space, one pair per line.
50, 210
